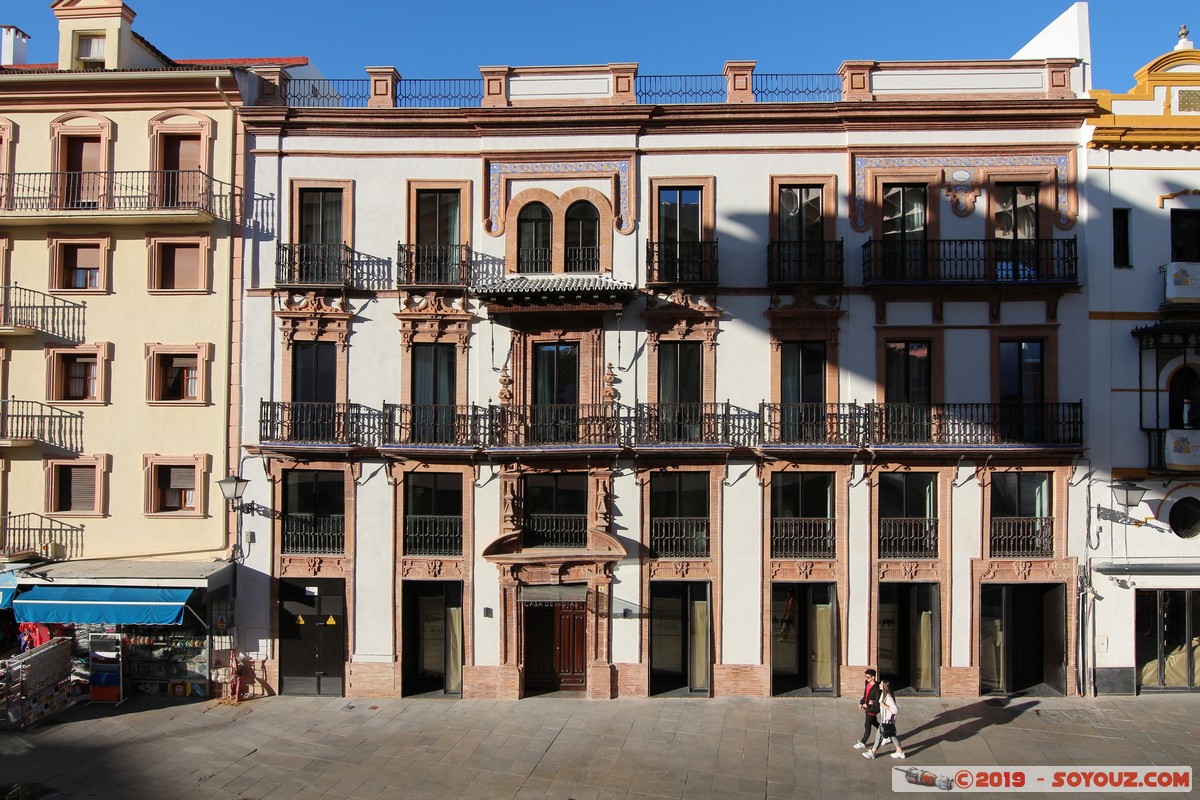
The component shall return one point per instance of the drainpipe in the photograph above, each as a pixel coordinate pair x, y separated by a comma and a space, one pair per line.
235, 291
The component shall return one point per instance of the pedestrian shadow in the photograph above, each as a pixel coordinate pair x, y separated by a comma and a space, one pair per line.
967, 721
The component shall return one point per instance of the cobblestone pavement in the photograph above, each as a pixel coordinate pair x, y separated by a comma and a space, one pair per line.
552, 747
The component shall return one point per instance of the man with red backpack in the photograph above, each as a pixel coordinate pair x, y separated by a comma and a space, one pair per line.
870, 706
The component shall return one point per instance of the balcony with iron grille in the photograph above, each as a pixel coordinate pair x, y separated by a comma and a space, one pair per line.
802, 537
26, 312
555, 531
436, 426
24, 423
22, 534
581, 259
908, 537
313, 534
991, 262
813, 424
672, 264
1042, 425
695, 425
806, 264
556, 424
126, 197
319, 424
314, 265
433, 535
434, 265
679, 537
535, 260
1022, 537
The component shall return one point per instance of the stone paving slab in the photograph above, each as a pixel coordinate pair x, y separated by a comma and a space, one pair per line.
296, 748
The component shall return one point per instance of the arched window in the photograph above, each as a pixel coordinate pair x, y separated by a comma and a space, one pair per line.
533, 239
583, 238
1184, 392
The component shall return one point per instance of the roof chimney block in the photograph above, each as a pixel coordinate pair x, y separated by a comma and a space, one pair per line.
12, 45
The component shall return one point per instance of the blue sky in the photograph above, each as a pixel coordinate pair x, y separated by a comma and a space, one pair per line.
426, 39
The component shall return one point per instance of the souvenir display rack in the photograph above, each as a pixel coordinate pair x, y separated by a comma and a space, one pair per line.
35, 684
174, 664
107, 665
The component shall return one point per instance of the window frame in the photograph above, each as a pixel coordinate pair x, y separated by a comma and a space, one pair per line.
153, 464
1048, 336
155, 379
58, 243
828, 186
1121, 239
415, 187
1177, 245
297, 185
154, 262
56, 376
52, 467
558, 206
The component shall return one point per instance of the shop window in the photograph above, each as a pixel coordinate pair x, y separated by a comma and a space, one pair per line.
78, 374
177, 375
175, 484
79, 265
177, 265
76, 486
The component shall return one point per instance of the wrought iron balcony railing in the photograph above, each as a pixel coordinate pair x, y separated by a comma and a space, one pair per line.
534, 260
410, 92
434, 264
37, 311
555, 530
1048, 424
797, 88
695, 423
433, 535
672, 89
681, 263
1022, 537
314, 265
679, 537
348, 424
802, 537
24, 533
582, 259
31, 421
792, 263
555, 424
814, 423
972, 261
452, 426
146, 190
908, 537
313, 534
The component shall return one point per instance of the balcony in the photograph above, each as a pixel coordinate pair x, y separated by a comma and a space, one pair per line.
671, 264
976, 424
679, 537
555, 424
802, 537
28, 198
719, 424
313, 534
806, 264
813, 424
27, 422
971, 261
581, 259
432, 535
1022, 537
314, 265
33, 533
27, 311
535, 261
343, 424
908, 537
434, 264
434, 425
560, 531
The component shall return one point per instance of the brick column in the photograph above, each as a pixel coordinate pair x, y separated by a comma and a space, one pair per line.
856, 80
495, 86
624, 83
273, 85
383, 82
739, 81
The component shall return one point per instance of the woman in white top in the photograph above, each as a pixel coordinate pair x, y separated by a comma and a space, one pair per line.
887, 719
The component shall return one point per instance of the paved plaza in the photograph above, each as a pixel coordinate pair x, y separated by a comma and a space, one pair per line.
554, 747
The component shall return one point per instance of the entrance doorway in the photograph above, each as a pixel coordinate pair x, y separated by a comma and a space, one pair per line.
910, 636
431, 648
1166, 638
803, 638
680, 638
555, 646
1023, 638
312, 642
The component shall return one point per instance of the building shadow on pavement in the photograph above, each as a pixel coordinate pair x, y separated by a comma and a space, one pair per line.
966, 721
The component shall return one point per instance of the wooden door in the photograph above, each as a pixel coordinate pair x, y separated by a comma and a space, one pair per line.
82, 179
182, 181
555, 646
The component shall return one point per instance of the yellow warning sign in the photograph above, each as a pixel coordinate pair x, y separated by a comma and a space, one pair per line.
299, 620
330, 621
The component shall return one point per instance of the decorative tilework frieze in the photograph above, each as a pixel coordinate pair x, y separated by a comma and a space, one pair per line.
619, 170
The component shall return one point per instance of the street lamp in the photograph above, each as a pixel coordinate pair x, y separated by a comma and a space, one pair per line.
232, 489
1127, 493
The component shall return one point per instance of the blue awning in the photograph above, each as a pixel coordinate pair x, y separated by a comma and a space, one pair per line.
102, 605
8, 587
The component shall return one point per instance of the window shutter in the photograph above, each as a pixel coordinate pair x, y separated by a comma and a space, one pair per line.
180, 266
177, 477
80, 484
